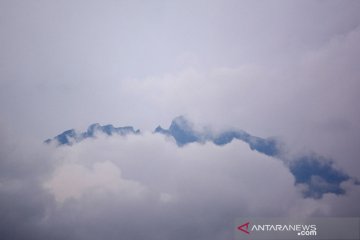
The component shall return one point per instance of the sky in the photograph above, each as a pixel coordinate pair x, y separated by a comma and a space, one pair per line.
285, 69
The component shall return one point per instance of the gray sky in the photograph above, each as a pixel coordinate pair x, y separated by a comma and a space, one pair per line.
273, 68
66, 65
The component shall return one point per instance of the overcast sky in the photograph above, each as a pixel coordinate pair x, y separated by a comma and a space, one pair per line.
66, 65
288, 69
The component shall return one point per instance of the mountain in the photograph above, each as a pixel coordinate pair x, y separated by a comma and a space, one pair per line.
182, 131
70, 137
318, 174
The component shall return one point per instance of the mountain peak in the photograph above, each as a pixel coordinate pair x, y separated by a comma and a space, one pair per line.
181, 129
159, 129
71, 136
92, 129
181, 122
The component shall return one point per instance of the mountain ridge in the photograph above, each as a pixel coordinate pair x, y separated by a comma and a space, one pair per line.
69, 137
317, 173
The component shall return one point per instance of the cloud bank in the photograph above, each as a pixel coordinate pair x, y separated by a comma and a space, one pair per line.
139, 186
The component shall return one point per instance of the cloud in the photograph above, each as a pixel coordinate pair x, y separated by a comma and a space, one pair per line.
140, 186
308, 102
260, 67
74, 180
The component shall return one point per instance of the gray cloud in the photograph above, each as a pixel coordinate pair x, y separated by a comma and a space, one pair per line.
145, 186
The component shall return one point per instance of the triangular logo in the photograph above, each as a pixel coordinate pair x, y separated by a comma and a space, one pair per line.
244, 228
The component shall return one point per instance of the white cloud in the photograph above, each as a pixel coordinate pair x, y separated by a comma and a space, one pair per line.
189, 175
145, 185
74, 180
